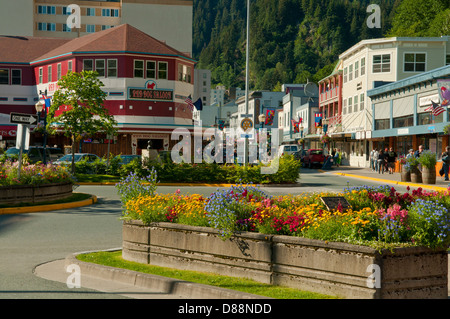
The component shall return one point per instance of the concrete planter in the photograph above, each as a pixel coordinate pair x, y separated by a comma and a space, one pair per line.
34, 193
331, 268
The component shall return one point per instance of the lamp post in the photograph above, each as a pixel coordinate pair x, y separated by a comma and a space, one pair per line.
301, 128
325, 130
41, 111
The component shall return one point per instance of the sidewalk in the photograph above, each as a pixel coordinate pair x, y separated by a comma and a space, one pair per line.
368, 174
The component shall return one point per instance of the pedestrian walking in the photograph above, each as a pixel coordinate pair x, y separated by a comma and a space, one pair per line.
338, 157
372, 163
391, 158
375, 160
446, 162
381, 161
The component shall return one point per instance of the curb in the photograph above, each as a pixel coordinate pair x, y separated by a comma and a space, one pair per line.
46, 208
197, 184
438, 188
165, 285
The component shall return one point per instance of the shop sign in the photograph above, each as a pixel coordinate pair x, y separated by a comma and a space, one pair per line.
426, 100
150, 93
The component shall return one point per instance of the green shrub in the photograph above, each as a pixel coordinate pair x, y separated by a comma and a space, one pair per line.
428, 159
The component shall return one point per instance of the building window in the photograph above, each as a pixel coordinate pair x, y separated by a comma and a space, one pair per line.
415, 62
66, 11
344, 109
58, 71
162, 70
138, 68
447, 60
350, 102
46, 9
356, 69
350, 72
428, 118
361, 101
345, 74
90, 28
151, 69
4, 76
404, 121
42, 26
49, 75
355, 103
106, 27
100, 67
363, 66
88, 65
381, 63
110, 12
41, 75
112, 68
90, 12
69, 66
66, 28
382, 124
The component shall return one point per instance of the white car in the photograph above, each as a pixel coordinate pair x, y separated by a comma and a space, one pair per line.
290, 149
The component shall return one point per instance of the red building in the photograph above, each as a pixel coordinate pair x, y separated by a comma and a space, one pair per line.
146, 83
330, 100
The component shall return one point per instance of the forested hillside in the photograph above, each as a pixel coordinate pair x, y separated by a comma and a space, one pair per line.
292, 41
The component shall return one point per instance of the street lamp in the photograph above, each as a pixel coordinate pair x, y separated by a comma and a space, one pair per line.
41, 111
262, 119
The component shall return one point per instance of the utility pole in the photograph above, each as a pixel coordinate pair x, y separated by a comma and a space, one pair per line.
247, 77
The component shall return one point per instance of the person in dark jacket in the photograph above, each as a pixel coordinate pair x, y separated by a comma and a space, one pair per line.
446, 162
381, 161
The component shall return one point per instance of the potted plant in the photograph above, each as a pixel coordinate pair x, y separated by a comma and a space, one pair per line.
412, 164
428, 161
447, 129
405, 169
325, 139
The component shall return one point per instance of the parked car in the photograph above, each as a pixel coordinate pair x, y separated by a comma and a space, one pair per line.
288, 149
313, 157
126, 159
67, 159
36, 153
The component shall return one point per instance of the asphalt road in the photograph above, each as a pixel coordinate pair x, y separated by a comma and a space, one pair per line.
28, 240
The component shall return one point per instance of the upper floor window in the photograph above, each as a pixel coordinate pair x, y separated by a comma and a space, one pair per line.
90, 12
350, 72
415, 62
90, 28
100, 67
112, 68
88, 65
345, 74
138, 68
49, 75
46, 9
356, 69
69, 66
447, 60
4, 76
363, 66
42, 26
58, 71
110, 12
41, 75
151, 69
66, 28
162, 70
381, 63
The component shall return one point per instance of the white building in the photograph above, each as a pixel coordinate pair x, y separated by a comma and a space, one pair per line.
202, 86
372, 63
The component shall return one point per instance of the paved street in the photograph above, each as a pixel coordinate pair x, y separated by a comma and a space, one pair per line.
28, 240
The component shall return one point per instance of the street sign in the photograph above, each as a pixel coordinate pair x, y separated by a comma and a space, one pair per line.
246, 124
20, 118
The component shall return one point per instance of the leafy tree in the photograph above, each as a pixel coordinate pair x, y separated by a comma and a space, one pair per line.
421, 18
82, 111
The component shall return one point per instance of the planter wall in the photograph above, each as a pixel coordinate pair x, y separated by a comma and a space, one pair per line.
34, 193
331, 268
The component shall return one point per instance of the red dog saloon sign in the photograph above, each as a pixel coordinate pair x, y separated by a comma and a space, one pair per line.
150, 93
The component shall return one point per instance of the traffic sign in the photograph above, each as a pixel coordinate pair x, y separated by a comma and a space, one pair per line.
246, 124
20, 118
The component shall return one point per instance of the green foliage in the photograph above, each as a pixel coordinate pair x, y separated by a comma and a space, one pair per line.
85, 114
291, 41
428, 159
421, 18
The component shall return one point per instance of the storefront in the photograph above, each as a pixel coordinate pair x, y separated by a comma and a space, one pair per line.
412, 112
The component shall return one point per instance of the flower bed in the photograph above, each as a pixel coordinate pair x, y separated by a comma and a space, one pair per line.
380, 219
36, 183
